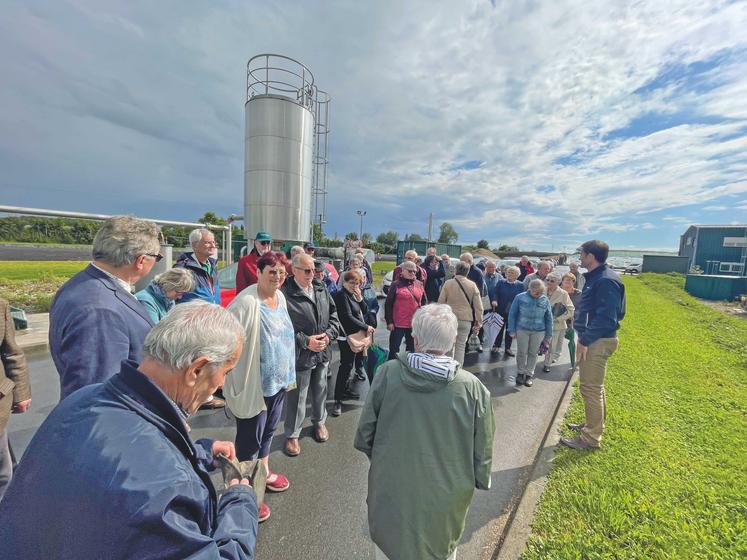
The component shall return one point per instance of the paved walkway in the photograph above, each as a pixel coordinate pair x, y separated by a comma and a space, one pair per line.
323, 514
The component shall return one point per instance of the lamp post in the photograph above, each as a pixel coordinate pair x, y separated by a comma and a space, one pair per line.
361, 213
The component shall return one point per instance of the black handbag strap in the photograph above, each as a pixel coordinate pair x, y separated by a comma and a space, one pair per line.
472, 307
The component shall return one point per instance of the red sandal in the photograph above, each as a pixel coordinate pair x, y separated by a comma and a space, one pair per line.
280, 484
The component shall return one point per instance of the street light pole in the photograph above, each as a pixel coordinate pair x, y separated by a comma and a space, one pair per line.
361, 213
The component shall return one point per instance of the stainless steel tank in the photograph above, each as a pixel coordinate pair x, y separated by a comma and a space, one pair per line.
279, 147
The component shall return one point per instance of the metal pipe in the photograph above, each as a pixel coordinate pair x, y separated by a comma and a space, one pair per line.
99, 217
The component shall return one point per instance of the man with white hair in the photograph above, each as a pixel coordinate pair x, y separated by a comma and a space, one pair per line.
203, 266
95, 322
543, 269
449, 267
420, 273
475, 274
423, 406
113, 473
580, 279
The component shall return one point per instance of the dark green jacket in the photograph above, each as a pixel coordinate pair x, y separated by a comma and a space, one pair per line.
430, 442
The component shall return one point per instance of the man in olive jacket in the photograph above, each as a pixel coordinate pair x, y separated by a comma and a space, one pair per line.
15, 392
314, 317
427, 428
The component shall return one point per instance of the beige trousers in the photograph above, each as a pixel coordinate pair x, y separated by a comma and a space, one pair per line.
464, 328
591, 383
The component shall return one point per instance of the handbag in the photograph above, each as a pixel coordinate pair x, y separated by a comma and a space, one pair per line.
473, 343
359, 341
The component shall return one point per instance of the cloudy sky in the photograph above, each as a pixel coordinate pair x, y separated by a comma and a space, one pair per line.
539, 124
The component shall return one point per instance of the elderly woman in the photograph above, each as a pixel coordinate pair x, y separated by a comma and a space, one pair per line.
406, 295
255, 391
161, 294
351, 311
505, 293
530, 321
463, 296
562, 311
423, 410
568, 283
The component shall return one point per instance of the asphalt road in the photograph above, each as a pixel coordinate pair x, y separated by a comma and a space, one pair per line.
323, 514
9, 252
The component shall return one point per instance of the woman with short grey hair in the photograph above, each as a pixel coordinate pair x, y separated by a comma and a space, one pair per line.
463, 297
422, 406
161, 294
562, 311
530, 321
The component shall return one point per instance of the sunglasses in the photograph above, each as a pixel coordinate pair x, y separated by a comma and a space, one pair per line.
304, 270
157, 256
265, 242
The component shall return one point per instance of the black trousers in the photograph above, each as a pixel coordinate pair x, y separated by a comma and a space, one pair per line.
395, 341
504, 329
347, 360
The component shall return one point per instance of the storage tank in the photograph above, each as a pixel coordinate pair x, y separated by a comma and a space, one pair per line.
279, 144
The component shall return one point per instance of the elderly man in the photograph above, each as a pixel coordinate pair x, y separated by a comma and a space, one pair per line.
113, 473
525, 268
475, 274
406, 295
580, 280
246, 270
411, 256
314, 317
203, 266
95, 322
424, 410
15, 391
543, 269
322, 275
309, 248
597, 320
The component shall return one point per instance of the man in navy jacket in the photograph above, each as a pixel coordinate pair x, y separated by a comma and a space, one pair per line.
203, 266
95, 322
113, 473
597, 320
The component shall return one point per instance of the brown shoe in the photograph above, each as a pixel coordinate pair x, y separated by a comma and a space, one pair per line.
292, 447
321, 434
578, 443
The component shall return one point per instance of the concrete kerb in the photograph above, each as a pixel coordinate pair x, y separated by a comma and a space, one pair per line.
36, 337
519, 526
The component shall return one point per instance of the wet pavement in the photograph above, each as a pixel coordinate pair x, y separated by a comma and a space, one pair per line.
323, 514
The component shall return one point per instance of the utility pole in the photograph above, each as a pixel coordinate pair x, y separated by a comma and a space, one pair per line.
430, 227
361, 213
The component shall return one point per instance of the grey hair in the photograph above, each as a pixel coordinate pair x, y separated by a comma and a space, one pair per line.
191, 330
548, 263
176, 279
296, 250
122, 239
466, 257
408, 265
461, 269
362, 275
515, 269
445, 256
435, 327
358, 259
536, 284
556, 275
297, 259
195, 236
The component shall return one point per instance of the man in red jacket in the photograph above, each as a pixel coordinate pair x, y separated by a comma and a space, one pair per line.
246, 271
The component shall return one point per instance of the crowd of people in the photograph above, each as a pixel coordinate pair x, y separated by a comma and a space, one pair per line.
113, 471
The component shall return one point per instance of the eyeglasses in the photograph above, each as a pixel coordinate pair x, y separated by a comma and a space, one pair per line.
408, 270
265, 242
304, 270
157, 256
551, 281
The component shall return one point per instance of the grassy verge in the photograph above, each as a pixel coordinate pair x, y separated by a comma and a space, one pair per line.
379, 269
31, 285
671, 478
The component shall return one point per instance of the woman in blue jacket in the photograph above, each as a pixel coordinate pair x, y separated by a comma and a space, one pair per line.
159, 296
530, 321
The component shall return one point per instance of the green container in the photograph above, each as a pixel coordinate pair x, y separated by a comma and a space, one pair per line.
717, 288
20, 321
421, 246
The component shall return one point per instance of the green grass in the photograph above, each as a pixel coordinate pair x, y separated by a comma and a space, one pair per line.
379, 269
31, 285
671, 478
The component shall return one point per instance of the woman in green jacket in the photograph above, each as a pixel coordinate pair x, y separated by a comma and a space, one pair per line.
161, 294
427, 428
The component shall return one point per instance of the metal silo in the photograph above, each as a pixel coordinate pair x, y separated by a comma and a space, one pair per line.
279, 147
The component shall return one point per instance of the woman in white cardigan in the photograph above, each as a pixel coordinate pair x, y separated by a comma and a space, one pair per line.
562, 310
255, 390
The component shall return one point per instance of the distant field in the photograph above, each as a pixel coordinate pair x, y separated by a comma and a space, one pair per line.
380, 268
670, 479
31, 285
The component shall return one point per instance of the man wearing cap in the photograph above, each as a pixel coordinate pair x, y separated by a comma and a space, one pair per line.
309, 248
321, 274
246, 271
